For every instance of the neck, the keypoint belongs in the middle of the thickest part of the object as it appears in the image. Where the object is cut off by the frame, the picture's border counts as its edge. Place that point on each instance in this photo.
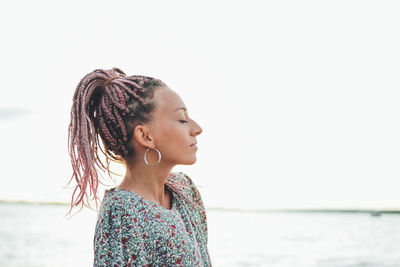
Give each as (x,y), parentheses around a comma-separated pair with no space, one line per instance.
(147,181)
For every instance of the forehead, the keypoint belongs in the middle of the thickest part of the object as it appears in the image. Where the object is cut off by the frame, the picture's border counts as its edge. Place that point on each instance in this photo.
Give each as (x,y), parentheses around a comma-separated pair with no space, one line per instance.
(167,100)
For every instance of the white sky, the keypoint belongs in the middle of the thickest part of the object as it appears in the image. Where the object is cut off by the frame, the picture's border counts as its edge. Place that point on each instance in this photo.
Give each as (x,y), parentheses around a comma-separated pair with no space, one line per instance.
(298,100)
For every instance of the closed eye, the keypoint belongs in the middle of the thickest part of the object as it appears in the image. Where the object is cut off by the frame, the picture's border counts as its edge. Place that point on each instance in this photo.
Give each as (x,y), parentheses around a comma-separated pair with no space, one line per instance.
(183,121)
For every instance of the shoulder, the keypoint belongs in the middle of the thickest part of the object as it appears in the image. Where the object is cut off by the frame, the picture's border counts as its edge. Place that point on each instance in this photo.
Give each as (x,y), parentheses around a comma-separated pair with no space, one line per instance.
(181,177)
(187,187)
(119,211)
(183,181)
(118,203)
(117,198)
(120,234)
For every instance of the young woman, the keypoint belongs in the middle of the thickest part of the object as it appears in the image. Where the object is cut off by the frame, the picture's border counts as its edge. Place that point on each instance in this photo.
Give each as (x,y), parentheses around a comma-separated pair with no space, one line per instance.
(155,217)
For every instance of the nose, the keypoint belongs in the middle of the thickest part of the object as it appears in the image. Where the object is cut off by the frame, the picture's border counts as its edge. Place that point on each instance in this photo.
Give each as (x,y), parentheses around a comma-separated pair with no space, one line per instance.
(196,129)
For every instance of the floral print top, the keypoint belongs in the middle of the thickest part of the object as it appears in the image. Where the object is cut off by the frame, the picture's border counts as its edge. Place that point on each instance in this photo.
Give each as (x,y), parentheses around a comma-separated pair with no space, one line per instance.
(132,231)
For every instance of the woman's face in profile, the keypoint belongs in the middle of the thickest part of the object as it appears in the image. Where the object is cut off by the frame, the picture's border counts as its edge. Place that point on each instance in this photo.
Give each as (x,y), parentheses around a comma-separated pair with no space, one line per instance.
(174,131)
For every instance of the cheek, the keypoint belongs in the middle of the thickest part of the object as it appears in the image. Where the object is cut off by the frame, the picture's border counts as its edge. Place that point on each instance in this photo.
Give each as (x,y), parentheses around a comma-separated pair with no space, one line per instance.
(172,136)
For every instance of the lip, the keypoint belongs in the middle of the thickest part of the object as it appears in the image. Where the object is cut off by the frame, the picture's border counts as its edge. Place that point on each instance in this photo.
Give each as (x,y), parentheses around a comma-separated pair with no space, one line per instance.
(194,144)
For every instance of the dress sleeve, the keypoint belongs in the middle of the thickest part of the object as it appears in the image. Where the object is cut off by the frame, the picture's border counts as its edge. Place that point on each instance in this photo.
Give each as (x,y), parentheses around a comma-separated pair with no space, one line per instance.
(119,241)
(196,198)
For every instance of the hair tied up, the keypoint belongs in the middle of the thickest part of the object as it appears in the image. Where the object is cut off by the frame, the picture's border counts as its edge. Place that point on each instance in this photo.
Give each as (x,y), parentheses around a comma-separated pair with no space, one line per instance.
(103,117)
(120,74)
(110,79)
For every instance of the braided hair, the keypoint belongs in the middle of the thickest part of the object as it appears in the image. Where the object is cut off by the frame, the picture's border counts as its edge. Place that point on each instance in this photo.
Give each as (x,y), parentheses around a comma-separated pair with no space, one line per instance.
(107,106)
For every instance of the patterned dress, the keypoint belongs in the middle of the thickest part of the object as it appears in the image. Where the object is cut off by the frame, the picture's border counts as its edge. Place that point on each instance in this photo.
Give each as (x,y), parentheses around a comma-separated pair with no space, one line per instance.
(132,231)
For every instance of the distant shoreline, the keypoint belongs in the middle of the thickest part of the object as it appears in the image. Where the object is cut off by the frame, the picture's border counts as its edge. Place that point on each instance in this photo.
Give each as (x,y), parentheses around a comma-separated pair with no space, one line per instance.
(376,212)
(34,202)
(370,211)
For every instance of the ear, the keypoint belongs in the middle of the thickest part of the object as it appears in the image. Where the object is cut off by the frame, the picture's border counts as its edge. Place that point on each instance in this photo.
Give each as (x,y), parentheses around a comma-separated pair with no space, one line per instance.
(143,136)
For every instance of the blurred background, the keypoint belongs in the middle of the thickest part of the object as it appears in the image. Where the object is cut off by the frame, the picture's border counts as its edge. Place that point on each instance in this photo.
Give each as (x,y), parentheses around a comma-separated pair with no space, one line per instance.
(298,101)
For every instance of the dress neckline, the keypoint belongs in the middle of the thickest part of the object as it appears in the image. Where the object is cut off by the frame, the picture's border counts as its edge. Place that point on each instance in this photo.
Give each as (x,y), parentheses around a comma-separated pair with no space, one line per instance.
(173,198)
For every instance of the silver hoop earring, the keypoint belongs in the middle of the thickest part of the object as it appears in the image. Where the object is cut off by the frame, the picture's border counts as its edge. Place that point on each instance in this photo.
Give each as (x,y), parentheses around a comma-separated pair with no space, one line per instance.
(145,158)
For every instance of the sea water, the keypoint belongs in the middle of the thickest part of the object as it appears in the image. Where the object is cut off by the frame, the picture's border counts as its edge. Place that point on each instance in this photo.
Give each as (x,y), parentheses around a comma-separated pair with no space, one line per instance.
(40,235)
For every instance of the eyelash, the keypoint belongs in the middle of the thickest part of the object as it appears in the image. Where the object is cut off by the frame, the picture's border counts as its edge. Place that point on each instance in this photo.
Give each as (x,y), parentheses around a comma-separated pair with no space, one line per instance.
(183,121)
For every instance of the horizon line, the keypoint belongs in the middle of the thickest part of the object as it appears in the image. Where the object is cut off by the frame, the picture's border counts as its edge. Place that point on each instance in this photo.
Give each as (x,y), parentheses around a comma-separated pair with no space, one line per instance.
(315,210)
